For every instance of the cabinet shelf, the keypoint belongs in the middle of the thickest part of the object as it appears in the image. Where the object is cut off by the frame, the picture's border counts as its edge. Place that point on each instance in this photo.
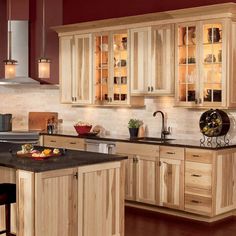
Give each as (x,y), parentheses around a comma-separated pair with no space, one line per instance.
(187,45)
(209,44)
(188,64)
(211,63)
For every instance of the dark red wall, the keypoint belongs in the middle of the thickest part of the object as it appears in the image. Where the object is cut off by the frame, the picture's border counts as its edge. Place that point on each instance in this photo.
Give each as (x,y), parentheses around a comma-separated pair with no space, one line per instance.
(53,17)
(85,10)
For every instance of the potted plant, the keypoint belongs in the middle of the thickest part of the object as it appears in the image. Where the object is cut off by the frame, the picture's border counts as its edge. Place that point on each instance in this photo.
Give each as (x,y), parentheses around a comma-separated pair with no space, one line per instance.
(133,126)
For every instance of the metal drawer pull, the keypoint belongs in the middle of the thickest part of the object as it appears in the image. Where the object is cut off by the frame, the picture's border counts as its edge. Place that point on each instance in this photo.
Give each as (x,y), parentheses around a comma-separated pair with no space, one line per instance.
(195,201)
(53,141)
(72,142)
(170,153)
(194,175)
(194,155)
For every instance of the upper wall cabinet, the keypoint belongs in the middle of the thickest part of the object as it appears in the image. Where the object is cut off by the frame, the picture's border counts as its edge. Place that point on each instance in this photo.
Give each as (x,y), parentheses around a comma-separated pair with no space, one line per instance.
(152,63)
(111,73)
(204,60)
(75,69)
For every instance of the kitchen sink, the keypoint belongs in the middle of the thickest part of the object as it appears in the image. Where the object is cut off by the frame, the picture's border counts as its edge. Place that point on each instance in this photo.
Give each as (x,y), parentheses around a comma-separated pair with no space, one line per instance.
(152,139)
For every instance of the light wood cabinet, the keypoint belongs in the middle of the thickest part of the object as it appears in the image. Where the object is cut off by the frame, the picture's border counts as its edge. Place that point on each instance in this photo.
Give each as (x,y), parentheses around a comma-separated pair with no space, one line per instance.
(142,172)
(75,69)
(203,69)
(63,142)
(209,181)
(66,68)
(83,201)
(172,177)
(111,67)
(152,53)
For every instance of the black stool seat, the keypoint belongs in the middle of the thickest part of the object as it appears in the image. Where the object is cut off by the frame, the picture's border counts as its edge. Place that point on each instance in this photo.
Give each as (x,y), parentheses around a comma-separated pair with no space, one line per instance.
(7,196)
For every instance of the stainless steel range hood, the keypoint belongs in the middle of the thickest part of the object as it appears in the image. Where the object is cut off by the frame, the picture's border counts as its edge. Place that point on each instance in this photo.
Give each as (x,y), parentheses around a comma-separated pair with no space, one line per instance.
(20,52)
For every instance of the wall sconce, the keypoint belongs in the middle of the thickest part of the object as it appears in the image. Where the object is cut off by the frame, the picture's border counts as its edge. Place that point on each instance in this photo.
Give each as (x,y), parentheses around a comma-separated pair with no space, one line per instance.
(10,64)
(43,62)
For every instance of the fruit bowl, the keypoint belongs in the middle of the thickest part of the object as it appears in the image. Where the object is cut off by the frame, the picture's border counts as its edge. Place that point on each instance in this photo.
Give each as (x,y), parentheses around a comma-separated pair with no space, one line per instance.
(83,129)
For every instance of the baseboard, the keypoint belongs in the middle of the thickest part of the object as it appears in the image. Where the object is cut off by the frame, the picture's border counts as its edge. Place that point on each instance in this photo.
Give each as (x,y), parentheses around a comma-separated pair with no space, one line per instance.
(178,213)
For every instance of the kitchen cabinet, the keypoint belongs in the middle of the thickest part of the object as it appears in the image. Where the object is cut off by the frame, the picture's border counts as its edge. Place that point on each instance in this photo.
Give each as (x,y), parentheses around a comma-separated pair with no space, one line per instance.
(75,69)
(55,141)
(203,63)
(72,200)
(111,68)
(172,177)
(142,172)
(209,181)
(152,54)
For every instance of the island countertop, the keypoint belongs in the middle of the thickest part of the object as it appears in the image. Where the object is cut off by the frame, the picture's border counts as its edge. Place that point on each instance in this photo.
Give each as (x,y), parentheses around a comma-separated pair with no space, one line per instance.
(70,158)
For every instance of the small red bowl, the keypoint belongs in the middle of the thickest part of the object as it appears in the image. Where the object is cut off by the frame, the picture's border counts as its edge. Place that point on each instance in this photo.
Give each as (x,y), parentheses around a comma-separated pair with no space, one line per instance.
(83,129)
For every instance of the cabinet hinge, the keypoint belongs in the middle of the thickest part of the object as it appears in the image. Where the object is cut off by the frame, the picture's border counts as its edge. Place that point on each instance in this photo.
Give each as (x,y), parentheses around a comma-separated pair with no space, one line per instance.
(76,175)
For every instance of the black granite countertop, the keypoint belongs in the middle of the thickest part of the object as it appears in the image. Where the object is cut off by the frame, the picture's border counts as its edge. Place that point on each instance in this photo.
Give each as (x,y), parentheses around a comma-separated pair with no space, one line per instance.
(188,143)
(71,158)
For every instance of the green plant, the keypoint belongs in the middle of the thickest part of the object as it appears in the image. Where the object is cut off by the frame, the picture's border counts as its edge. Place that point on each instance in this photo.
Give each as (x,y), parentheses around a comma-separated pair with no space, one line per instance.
(134,123)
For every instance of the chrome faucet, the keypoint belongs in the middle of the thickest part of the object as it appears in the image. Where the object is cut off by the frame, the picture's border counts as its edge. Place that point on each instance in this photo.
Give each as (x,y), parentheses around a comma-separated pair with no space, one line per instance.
(164,132)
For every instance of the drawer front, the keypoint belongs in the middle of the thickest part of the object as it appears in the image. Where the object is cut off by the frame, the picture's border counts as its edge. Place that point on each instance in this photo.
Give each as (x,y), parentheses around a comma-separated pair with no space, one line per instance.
(198,176)
(199,155)
(198,204)
(137,149)
(64,142)
(172,152)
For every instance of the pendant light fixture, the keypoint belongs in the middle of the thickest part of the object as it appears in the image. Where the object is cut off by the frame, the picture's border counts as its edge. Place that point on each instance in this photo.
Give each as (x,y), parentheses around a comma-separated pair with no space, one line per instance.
(10,64)
(43,62)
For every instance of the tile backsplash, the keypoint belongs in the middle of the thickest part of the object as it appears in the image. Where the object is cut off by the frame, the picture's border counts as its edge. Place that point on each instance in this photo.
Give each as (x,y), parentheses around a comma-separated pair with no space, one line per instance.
(20,100)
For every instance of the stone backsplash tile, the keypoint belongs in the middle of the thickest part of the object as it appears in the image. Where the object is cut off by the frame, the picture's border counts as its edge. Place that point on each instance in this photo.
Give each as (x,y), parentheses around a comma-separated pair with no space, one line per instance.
(20,100)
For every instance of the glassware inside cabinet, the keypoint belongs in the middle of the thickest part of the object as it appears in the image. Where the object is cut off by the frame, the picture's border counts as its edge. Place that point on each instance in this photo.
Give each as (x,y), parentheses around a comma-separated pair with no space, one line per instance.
(212,62)
(187,71)
(101,68)
(120,71)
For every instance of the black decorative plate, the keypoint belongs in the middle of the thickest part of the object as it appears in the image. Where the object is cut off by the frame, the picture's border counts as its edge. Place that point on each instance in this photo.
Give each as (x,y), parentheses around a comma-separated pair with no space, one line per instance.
(214,123)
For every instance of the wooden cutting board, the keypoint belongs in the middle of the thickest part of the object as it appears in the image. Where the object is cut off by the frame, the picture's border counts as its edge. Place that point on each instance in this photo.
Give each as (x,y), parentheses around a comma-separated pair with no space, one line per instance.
(38,120)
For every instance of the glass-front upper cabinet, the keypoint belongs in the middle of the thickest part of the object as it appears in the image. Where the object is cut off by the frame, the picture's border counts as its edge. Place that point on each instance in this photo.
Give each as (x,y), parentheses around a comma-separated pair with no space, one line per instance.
(212,62)
(187,66)
(200,64)
(111,68)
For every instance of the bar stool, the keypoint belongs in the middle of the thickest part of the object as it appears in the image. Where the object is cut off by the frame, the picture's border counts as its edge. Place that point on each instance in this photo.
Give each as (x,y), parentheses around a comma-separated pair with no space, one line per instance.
(7,196)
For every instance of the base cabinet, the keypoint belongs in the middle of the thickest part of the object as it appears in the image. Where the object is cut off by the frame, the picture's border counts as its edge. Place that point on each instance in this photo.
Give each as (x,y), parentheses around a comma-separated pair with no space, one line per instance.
(142,172)
(54,141)
(84,201)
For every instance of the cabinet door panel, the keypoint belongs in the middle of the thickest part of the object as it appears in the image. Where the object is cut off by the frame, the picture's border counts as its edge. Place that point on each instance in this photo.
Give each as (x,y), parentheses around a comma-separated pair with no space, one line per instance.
(162,60)
(99,200)
(147,179)
(83,69)
(172,183)
(66,68)
(56,202)
(140,58)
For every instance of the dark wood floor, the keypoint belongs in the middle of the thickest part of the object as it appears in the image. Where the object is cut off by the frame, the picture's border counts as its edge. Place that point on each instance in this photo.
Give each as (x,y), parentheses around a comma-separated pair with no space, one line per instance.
(145,223)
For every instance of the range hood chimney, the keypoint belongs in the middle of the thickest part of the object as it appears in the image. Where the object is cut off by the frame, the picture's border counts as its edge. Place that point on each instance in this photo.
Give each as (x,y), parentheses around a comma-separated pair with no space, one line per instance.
(20,52)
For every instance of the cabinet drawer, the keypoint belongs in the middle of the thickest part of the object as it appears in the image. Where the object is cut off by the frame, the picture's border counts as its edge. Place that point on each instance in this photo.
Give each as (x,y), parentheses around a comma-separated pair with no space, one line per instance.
(172,152)
(198,204)
(64,142)
(199,155)
(198,177)
(137,149)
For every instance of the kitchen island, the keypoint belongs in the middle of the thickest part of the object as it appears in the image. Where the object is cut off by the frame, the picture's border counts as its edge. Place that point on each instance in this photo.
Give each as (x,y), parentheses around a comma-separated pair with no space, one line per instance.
(78,193)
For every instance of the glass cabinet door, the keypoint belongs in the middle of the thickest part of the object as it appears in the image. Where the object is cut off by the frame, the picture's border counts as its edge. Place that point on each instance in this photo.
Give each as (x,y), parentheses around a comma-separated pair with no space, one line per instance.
(101,69)
(119,83)
(187,63)
(212,63)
